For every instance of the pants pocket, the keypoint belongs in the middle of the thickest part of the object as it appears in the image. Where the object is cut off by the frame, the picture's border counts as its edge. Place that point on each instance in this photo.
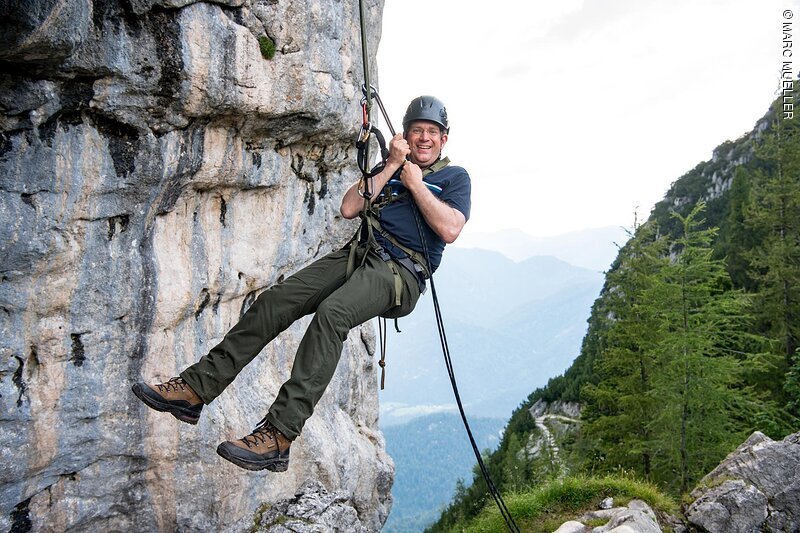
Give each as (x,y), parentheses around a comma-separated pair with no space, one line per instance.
(409,298)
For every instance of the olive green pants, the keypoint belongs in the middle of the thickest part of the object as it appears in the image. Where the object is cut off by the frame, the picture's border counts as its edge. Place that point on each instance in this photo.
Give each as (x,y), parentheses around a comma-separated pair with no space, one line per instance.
(339,305)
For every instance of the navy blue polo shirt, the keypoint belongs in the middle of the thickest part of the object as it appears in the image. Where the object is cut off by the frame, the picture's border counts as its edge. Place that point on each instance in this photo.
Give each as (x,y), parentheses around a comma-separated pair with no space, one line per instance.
(451,185)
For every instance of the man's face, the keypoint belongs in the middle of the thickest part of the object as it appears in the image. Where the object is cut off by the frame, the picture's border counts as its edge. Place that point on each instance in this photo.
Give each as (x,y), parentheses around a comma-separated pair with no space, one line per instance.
(426,141)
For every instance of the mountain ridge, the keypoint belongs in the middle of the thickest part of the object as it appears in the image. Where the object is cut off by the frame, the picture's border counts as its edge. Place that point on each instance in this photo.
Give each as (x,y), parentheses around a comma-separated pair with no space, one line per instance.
(492,308)
(744,189)
(592,248)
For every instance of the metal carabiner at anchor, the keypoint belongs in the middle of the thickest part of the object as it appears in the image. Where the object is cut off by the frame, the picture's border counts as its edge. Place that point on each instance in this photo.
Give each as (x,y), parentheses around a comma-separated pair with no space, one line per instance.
(368,129)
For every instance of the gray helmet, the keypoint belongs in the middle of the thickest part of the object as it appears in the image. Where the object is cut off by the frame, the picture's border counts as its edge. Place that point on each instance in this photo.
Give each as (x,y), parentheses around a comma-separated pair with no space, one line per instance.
(427,108)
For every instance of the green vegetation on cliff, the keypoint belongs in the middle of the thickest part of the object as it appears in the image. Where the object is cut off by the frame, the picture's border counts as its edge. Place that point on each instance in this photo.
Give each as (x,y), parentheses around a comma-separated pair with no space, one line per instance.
(672,394)
(543,509)
(693,342)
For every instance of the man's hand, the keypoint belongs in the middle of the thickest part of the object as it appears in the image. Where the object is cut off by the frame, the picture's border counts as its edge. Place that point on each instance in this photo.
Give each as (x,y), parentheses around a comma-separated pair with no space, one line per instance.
(445,220)
(352,202)
(411,175)
(398,150)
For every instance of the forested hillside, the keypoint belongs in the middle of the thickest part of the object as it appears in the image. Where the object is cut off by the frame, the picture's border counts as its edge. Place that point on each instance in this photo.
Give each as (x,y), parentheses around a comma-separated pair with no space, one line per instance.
(535,309)
(693,342)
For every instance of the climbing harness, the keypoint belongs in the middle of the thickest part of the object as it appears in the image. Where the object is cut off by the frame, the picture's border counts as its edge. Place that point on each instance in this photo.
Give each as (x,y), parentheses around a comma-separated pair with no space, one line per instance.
(370,223)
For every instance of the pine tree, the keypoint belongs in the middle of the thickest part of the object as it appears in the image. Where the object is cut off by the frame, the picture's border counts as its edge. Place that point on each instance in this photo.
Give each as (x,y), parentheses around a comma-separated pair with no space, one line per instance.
(792,383)
(737,237)
(618,408)
(703,410)
(775,262)
(515,463)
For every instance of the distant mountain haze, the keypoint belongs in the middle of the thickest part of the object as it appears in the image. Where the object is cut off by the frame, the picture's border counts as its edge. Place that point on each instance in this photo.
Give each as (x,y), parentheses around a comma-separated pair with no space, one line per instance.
(592,248)
(425,482)
(510,326)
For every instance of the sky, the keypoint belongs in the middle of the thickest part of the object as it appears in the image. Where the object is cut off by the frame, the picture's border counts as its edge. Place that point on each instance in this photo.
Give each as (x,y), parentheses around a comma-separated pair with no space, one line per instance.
(574,114)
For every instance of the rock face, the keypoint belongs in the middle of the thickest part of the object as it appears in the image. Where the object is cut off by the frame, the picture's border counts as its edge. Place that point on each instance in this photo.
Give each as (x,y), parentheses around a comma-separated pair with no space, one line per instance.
(156,173)
(756,488)
(554,422)
(571,410)
(636,517)
(312,510)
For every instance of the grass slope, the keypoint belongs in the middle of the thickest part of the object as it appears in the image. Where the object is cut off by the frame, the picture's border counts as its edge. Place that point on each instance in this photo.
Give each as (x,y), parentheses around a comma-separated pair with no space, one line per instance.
(545,508)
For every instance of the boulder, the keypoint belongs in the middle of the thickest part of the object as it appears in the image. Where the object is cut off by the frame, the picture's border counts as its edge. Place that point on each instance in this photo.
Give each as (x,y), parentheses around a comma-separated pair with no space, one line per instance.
(313,509)
(636,517)
(756,488)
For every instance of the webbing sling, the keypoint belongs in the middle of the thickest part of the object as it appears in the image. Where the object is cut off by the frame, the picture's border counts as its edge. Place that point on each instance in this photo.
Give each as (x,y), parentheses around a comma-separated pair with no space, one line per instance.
(370,223)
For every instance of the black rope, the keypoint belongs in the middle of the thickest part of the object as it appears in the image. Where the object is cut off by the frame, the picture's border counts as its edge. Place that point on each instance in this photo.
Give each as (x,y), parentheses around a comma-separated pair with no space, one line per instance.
(367,128)
(365,57)
(498,498)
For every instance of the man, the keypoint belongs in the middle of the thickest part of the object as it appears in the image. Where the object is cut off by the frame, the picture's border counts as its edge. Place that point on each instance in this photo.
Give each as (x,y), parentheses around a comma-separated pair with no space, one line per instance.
(381,274)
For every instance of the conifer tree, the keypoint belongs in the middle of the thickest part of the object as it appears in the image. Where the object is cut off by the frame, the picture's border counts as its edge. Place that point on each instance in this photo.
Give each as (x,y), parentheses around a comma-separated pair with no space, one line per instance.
(618,408)
(703,408)
(792,383)
(737,237)
(515,464)
(775,261)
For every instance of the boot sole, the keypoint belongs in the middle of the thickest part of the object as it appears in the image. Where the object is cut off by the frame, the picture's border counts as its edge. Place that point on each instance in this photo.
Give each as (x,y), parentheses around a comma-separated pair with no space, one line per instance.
(164,407)
(277,464)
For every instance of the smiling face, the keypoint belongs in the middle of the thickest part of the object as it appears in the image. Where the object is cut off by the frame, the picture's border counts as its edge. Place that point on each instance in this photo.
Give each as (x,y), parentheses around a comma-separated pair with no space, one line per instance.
(426,140)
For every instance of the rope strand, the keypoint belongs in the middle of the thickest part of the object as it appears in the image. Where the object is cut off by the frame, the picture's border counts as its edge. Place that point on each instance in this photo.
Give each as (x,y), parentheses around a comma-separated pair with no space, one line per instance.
(368,94)
(498,498)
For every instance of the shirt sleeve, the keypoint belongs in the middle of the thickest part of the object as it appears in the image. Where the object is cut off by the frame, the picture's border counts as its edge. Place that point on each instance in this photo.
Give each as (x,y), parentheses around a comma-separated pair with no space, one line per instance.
(457,193)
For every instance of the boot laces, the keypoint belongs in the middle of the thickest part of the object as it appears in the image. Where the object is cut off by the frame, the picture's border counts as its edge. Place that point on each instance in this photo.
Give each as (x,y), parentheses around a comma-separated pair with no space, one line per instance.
(264,431)
(174,383)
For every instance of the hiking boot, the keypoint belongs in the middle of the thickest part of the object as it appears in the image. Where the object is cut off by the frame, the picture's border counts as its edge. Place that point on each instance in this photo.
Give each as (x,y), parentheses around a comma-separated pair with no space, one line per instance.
(266,447)
(175,397)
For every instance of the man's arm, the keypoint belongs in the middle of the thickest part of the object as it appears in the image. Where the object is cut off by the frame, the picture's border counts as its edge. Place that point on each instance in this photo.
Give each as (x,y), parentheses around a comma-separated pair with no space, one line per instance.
(353,202)
(445,220)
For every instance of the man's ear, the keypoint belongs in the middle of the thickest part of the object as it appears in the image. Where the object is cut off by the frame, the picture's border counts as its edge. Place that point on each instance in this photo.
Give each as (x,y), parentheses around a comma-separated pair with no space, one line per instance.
(444,139)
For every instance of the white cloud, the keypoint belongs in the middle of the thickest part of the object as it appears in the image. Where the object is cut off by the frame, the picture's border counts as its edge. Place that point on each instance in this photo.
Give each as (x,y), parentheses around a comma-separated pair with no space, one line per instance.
(570,114)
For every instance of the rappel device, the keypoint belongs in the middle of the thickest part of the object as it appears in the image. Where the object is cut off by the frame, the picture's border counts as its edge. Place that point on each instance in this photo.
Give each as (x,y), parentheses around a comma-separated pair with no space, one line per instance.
(368,129)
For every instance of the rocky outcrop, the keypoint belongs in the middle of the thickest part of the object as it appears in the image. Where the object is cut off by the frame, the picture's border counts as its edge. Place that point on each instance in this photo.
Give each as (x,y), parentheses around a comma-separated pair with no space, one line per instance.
(568,410)
(157,171)
(756,488)
(554,421)
(312,510)
(636,517)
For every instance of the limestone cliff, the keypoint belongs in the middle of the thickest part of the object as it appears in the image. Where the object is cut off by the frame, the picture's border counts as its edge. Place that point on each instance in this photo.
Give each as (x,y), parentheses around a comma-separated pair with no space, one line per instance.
(157,172)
